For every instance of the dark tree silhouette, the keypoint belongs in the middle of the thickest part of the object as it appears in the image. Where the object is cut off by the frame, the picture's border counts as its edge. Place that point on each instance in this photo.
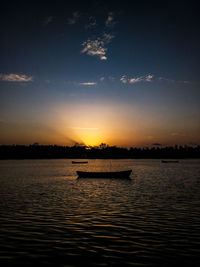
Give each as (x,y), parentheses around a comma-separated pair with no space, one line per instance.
(103,151)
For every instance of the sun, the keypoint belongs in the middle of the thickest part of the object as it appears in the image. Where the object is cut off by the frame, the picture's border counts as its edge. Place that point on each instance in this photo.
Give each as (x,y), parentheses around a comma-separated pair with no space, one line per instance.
(91,139)
(89,136)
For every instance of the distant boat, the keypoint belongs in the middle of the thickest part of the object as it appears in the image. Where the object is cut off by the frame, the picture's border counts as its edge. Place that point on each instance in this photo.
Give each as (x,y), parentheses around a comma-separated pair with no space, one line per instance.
(79,162)
(169,161)
(119,174)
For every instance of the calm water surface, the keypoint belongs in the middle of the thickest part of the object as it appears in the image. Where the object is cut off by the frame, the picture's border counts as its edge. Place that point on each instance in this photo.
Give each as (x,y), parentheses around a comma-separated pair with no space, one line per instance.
(49,217)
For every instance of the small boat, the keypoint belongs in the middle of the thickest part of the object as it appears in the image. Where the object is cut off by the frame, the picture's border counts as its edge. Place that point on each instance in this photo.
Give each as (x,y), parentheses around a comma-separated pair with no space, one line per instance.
(119,174)
(169,161)
(79,162)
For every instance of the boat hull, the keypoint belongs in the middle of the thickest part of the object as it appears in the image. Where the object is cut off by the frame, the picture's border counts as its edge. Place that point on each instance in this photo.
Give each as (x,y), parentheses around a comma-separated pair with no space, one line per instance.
(170,161)
(79,162)
(120,174)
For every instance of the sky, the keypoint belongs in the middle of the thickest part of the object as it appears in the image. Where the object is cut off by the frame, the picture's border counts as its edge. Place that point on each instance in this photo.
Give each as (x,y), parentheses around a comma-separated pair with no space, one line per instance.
(124,73)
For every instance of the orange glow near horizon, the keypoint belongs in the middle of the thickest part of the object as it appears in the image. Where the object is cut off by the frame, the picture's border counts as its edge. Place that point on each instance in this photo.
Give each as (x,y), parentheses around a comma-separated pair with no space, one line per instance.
(94,123)
(89,136)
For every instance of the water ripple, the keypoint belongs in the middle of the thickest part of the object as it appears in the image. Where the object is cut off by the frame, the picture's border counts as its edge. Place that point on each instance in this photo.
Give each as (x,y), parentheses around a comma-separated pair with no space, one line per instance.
(49,217)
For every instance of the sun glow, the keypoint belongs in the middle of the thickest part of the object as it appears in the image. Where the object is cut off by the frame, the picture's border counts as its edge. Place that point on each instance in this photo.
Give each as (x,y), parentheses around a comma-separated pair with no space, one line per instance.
(89,136)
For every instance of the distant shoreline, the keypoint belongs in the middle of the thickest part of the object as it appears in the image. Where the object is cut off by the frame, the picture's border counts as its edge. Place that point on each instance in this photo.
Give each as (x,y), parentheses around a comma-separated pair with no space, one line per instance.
(15,152)
(3,159)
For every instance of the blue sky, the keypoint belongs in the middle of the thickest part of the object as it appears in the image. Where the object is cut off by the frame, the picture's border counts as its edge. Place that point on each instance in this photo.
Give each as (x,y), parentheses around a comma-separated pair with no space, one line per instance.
(126,72)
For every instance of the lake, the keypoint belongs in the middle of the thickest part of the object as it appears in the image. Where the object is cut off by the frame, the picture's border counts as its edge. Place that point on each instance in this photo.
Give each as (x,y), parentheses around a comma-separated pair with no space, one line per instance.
(49,217)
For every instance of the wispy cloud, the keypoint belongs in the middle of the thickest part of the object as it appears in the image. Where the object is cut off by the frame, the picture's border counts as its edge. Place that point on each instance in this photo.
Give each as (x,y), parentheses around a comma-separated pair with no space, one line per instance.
(147,78)
(48,20)
(97,47)
(110,20)
(187,82)
(111,78)
(177,134)
(166,79)
(107,37)
(84,128)
(123,79)
(88,83)
(135,80)
(15,77)
(75,17)
(91,23)
(174,81)
(102,79)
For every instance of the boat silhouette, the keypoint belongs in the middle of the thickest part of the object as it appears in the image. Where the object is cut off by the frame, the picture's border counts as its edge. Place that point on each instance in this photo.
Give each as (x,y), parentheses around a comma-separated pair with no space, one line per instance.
(117,174)
(79,162)
(169,161)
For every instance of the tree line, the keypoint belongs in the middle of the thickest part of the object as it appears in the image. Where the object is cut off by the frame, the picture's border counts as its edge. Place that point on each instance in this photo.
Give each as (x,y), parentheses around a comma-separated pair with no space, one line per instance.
(103,151)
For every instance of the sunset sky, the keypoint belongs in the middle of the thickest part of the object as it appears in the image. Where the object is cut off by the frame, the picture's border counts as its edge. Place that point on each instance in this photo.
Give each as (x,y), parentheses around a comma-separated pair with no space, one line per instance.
(125,73)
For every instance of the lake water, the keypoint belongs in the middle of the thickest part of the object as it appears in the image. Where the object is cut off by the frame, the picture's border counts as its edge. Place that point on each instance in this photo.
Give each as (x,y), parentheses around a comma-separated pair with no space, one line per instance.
(49,217)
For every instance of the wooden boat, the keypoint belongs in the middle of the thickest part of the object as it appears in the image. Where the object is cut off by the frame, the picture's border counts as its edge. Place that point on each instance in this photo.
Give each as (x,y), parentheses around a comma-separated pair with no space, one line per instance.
(79,162)
(119,174)
(170,161)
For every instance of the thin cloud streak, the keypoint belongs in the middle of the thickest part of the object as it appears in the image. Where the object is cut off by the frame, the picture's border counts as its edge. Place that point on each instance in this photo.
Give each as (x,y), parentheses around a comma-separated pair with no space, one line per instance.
(84,128)
(88,83)
(135,80)
(125,80)
(166,79)
(177,134)
(15,78)
(174,81)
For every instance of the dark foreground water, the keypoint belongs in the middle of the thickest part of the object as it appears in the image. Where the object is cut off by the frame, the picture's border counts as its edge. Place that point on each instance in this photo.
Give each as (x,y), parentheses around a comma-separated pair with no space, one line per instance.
(49,217)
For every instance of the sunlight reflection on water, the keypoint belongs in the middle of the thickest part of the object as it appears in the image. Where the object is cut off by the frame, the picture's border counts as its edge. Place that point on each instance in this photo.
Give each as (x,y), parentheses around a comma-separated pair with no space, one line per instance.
(48,216)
